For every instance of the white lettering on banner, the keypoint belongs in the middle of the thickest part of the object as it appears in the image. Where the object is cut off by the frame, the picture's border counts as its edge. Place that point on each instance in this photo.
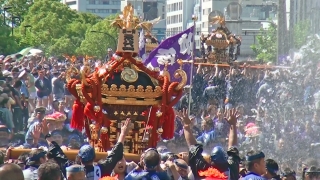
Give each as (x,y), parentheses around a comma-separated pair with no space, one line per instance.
(141,40)
(185,42)
(166,56)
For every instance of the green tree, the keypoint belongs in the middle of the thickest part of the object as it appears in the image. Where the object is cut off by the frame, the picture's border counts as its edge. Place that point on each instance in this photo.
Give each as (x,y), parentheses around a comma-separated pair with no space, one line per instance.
(8,44)
(301,32)
(56,28)
(98,38)
(266,48)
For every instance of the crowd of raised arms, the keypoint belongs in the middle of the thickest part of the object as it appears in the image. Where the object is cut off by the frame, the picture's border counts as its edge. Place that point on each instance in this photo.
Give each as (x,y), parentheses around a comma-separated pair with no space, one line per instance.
(243,123)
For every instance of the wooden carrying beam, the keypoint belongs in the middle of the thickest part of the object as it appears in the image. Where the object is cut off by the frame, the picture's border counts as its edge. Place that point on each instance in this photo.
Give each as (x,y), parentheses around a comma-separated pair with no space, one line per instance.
(72,154)
(241,66)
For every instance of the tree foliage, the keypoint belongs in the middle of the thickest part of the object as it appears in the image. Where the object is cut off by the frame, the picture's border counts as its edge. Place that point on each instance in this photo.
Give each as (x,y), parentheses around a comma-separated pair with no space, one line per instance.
(301,32)
(98,38)
(266,48)
(48,25)
(8,44)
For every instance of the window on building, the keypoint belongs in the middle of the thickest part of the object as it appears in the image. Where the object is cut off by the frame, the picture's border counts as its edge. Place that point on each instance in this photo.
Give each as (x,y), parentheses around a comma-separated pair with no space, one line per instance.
(104,2)
(163,9)
(71,3)
(180,5)
(116,2)
(180,17)
(163,17)
(91,10)
(114,11)
(102,11)
(92,1)
(205,25)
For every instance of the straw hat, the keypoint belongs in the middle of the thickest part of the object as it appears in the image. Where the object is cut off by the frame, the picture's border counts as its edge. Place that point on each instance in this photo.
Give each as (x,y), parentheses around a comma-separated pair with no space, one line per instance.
(57,116)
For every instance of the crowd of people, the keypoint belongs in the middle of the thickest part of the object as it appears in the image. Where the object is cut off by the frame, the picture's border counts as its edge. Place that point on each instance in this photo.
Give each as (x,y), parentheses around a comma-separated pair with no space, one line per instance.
(243,123)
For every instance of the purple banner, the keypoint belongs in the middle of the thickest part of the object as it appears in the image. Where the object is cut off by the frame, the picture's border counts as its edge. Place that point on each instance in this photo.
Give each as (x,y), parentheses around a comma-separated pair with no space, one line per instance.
(179,46)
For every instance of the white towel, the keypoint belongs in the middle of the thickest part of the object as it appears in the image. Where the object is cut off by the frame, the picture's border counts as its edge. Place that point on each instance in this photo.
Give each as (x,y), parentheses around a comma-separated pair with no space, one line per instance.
(97,172)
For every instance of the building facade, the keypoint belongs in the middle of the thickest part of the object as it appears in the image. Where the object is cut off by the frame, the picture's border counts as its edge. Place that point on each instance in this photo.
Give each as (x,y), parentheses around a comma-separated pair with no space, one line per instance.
(179,13)
(102,8)
(150,10)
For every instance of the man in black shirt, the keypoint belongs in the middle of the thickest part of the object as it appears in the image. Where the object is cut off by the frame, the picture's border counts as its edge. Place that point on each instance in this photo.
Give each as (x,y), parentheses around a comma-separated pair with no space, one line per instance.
(218,158)
(103,167)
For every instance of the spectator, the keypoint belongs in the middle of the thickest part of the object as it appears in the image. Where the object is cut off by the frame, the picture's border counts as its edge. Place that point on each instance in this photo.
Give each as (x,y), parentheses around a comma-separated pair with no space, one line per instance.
(11,172)
(76,172)
(6,114)
(218,157)
(5,136)
(256,165)
(42,85)
(49,171)
(123,168)
(272,170)
(18,108)
(23,76)
(179,169)
(151,161)
(58,85)
(36,158)
(105,167)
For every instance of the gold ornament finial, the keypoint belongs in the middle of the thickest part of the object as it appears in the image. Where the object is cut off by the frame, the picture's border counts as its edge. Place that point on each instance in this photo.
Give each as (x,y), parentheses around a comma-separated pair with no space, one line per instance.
(180,62)
(126,20)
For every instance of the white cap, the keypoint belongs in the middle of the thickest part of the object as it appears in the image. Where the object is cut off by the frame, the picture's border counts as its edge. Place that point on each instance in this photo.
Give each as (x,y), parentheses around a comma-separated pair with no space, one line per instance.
(6,73)
(22,73)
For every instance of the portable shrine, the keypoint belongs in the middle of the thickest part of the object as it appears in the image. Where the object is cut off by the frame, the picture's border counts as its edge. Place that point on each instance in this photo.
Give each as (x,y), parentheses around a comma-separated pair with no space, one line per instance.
(219,45)
(125,88)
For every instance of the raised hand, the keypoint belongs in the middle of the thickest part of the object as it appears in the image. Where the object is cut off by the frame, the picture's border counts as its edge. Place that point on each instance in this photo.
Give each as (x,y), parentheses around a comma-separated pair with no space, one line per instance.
(44,125)
(125,126)
(231,116)
(36,132)
(183,115)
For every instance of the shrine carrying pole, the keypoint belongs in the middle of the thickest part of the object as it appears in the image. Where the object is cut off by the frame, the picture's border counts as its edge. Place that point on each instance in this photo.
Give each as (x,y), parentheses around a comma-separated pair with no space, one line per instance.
(194,18)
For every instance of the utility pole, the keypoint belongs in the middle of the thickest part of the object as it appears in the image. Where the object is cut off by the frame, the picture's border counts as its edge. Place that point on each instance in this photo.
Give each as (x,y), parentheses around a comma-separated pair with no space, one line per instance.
(301,13)
(282,30)
(291,24)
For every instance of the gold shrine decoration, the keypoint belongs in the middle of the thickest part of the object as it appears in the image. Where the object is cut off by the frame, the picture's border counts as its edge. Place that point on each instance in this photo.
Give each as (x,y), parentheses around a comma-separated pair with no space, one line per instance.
(131,91)
(133,96)
(128,41)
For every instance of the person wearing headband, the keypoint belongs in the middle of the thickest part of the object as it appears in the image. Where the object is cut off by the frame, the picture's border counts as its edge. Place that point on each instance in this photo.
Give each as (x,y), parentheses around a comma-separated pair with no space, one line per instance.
(272,170)
(288,174)
(256,166)
(310,173)
(36,158)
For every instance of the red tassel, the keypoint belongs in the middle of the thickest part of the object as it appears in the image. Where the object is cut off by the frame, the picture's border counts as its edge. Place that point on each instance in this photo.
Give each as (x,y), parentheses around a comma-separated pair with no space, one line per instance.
(168,124)
(77,115)
(88,111)
(104,137)
(154,124)
(153,115)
